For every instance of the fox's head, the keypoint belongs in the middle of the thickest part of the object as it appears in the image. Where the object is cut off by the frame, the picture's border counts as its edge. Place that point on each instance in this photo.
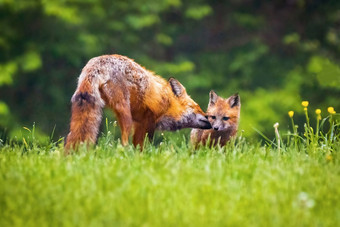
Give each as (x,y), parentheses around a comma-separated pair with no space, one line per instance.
(183,111)
(223,114)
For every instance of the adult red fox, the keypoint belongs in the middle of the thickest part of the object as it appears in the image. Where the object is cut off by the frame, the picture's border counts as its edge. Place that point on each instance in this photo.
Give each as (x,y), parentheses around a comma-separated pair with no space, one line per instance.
(223,115)
(140,99)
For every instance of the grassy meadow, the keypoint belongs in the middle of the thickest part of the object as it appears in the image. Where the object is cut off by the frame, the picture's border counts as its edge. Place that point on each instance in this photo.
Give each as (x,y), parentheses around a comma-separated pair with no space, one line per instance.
(274,54)
(293,180)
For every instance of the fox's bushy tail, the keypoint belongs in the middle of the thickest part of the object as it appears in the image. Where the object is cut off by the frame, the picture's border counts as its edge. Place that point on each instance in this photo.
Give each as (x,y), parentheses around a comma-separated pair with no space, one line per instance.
(86,113)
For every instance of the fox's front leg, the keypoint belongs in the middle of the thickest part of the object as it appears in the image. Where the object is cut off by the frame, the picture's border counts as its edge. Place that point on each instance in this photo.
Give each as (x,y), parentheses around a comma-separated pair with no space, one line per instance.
(141,130)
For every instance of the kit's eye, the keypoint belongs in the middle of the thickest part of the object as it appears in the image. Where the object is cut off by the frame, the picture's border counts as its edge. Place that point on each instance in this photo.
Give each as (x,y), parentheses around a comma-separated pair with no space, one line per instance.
(206,116)
(225,118)
(213,117)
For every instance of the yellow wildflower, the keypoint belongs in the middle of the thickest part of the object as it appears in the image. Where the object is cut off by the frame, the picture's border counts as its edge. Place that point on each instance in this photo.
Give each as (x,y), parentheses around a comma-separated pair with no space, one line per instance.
(331,110)
(305,103)
(291,114)
(318,113)
(305,109)
(329,157)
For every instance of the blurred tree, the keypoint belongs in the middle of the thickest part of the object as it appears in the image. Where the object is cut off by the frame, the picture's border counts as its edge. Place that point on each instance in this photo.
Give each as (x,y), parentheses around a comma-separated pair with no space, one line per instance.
(274,53)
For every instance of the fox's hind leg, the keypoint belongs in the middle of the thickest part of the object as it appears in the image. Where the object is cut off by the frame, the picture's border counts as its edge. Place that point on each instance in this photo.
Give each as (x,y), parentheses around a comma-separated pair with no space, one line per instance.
(117,98)
(124,118)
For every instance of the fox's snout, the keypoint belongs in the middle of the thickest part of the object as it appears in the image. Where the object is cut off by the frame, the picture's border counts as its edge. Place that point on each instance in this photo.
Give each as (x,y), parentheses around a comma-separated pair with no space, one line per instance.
(203,122)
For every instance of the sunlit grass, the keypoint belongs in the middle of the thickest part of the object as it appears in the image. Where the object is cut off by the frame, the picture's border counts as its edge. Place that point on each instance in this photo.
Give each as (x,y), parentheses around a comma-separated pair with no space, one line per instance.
(291,183)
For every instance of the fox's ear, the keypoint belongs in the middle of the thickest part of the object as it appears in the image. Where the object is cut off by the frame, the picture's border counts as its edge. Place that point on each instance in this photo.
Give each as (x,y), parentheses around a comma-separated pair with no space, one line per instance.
(177,87)
(212,98)
(234,100)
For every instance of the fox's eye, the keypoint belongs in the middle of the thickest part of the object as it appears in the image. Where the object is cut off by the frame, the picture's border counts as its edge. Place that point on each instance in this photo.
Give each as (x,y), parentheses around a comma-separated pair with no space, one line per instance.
(206,116)
(213,117)
(225,118)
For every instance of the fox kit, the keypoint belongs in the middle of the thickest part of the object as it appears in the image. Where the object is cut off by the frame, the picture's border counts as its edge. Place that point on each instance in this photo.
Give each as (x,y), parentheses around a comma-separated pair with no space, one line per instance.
(140,99)
(223,115)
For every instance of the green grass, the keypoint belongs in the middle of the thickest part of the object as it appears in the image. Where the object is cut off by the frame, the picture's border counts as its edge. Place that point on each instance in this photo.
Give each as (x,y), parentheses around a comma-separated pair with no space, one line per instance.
(293,180)
(244,184)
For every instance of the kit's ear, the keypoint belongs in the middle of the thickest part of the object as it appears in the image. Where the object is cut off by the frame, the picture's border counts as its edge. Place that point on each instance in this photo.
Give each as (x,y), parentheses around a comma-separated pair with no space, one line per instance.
(212,98)
(234,100)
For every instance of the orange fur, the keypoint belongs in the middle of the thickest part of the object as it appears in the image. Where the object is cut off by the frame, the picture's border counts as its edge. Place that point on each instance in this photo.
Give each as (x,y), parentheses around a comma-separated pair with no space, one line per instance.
(223,115)
(140,99)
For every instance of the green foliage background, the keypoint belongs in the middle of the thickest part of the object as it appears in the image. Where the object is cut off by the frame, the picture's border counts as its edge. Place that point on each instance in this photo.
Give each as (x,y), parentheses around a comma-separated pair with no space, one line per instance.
(274,53)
